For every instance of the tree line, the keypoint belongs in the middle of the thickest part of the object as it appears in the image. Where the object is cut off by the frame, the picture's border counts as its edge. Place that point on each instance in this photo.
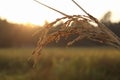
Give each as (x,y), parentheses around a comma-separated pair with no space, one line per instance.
(19,35)
(15,35)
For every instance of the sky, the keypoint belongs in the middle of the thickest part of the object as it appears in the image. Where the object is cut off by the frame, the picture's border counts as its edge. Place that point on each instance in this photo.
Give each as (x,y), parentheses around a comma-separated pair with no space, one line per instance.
(29,11)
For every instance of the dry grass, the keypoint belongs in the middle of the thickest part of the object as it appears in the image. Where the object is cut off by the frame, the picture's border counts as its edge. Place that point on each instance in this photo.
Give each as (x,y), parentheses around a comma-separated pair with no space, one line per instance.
(74,25)
(80,25)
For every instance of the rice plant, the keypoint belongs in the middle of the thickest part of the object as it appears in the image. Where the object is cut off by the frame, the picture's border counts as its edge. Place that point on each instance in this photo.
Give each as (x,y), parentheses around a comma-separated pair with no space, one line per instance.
(80,25)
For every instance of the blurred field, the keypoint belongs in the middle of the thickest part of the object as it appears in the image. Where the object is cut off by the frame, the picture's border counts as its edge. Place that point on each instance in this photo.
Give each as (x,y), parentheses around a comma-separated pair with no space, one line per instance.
(61,64)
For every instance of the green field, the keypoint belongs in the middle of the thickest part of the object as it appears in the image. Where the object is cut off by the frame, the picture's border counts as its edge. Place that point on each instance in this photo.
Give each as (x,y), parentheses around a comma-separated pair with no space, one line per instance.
(61,64)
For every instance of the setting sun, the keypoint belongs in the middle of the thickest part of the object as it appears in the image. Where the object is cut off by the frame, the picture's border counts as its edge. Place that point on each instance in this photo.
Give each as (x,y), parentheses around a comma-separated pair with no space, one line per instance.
(28,11)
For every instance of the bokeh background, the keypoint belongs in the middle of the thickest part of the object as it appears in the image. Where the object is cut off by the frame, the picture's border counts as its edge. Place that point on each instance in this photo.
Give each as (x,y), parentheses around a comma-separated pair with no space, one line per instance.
(85,60)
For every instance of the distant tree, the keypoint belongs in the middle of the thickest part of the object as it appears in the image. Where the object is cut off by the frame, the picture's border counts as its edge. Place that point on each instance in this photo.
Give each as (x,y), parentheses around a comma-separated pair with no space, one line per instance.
(16,35)
(106,18)
(115,27)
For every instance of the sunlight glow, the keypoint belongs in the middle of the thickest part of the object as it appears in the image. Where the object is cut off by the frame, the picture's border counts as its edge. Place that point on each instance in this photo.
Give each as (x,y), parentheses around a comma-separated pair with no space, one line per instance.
(28,11)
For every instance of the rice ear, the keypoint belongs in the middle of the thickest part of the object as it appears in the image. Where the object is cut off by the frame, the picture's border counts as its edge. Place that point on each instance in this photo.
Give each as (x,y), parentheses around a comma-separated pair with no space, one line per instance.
(78,25)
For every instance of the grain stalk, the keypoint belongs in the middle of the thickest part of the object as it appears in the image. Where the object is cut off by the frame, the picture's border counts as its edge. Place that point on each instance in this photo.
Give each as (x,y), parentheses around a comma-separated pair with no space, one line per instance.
(79,25)
(101,25)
